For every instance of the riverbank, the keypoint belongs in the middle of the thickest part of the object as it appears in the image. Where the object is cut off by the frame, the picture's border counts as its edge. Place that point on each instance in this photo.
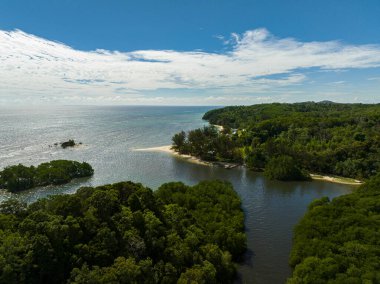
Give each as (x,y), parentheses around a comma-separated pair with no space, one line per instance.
(168,149)
(336,179)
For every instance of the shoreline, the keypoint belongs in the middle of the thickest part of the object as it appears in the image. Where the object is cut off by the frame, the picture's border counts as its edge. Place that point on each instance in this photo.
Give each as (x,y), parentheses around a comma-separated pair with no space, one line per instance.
(219,127)
(168,149)
(336,179)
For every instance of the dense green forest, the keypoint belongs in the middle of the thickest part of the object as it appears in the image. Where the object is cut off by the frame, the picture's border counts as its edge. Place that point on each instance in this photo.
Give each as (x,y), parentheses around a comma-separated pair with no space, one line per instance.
(20,177)
(124,233)
(338,241)
(325,137)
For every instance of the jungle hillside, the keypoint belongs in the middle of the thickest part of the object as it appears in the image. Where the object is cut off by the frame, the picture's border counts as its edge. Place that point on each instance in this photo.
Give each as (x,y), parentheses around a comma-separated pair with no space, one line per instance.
(289,141)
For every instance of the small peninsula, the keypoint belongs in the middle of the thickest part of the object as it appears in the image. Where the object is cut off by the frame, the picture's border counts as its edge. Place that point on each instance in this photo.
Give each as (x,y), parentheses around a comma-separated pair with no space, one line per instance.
(125,233)
(19,177)
(323,138)
(337,241)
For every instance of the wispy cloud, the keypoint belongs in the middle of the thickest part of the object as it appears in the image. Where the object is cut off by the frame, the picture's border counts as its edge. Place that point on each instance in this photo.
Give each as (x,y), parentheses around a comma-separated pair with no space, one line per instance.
(256,62)
(336,83)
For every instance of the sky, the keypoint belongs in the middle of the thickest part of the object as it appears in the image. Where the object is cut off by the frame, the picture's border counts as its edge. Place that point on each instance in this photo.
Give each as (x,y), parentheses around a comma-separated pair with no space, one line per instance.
(195,52)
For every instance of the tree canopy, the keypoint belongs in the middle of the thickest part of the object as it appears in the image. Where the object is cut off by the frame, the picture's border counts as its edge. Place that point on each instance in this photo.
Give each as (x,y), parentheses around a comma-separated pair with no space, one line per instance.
(284,168)
(338,241)
(69,143)
(20,177)
(329,138)
(124,233)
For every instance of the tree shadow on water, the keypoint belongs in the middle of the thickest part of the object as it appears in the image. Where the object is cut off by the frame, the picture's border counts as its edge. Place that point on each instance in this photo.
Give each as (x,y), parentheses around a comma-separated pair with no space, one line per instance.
(247,260)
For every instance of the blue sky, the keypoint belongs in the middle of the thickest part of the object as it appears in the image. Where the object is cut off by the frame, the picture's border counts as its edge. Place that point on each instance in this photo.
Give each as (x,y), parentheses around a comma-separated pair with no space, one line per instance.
(189,52)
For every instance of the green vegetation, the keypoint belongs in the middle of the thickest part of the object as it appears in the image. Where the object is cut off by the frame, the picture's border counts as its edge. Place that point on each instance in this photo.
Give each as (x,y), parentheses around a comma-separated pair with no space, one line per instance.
(284,168)
(70,143)
(208,144)
(19,177)
(124,233)
(338,241)
(329,138)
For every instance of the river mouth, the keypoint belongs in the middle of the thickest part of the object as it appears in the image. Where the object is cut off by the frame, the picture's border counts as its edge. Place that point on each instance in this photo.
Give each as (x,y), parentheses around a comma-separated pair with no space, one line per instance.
(110,133)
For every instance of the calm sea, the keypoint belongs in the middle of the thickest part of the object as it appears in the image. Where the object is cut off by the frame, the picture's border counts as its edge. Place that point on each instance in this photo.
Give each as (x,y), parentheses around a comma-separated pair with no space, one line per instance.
(110,135)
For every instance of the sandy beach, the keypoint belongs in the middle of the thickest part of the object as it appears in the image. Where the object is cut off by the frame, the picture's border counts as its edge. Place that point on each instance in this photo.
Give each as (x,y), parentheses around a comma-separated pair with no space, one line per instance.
(336,179)
(219,127)
(168,149)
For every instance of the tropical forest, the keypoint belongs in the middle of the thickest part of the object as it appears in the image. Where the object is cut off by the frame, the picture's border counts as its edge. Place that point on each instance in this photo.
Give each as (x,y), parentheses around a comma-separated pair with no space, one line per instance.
(19,177)
(289,141)
(124,233)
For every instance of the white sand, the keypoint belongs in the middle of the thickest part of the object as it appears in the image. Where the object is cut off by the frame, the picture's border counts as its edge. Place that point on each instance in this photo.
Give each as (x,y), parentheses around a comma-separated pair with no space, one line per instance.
(168,149)
(219,127)
(336,179)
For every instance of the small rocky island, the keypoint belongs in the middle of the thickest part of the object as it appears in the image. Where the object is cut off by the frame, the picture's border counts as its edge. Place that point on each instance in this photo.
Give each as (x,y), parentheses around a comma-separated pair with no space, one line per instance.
(70,143)
(19,177)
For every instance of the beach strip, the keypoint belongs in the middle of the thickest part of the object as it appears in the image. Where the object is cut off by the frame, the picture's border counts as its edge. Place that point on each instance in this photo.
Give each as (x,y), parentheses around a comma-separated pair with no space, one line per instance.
(168,149)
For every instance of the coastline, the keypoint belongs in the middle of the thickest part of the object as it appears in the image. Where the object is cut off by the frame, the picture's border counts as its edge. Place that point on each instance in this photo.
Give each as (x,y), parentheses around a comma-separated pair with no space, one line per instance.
(219,127)
(168,149)
(336,179)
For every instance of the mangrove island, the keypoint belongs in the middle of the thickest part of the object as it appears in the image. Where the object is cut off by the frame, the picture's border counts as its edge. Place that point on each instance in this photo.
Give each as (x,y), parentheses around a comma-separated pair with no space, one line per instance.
(19,177)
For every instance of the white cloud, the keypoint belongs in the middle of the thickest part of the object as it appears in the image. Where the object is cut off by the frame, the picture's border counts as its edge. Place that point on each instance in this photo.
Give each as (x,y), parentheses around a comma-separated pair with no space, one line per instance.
(336,83)
(374,79)
(257,62)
